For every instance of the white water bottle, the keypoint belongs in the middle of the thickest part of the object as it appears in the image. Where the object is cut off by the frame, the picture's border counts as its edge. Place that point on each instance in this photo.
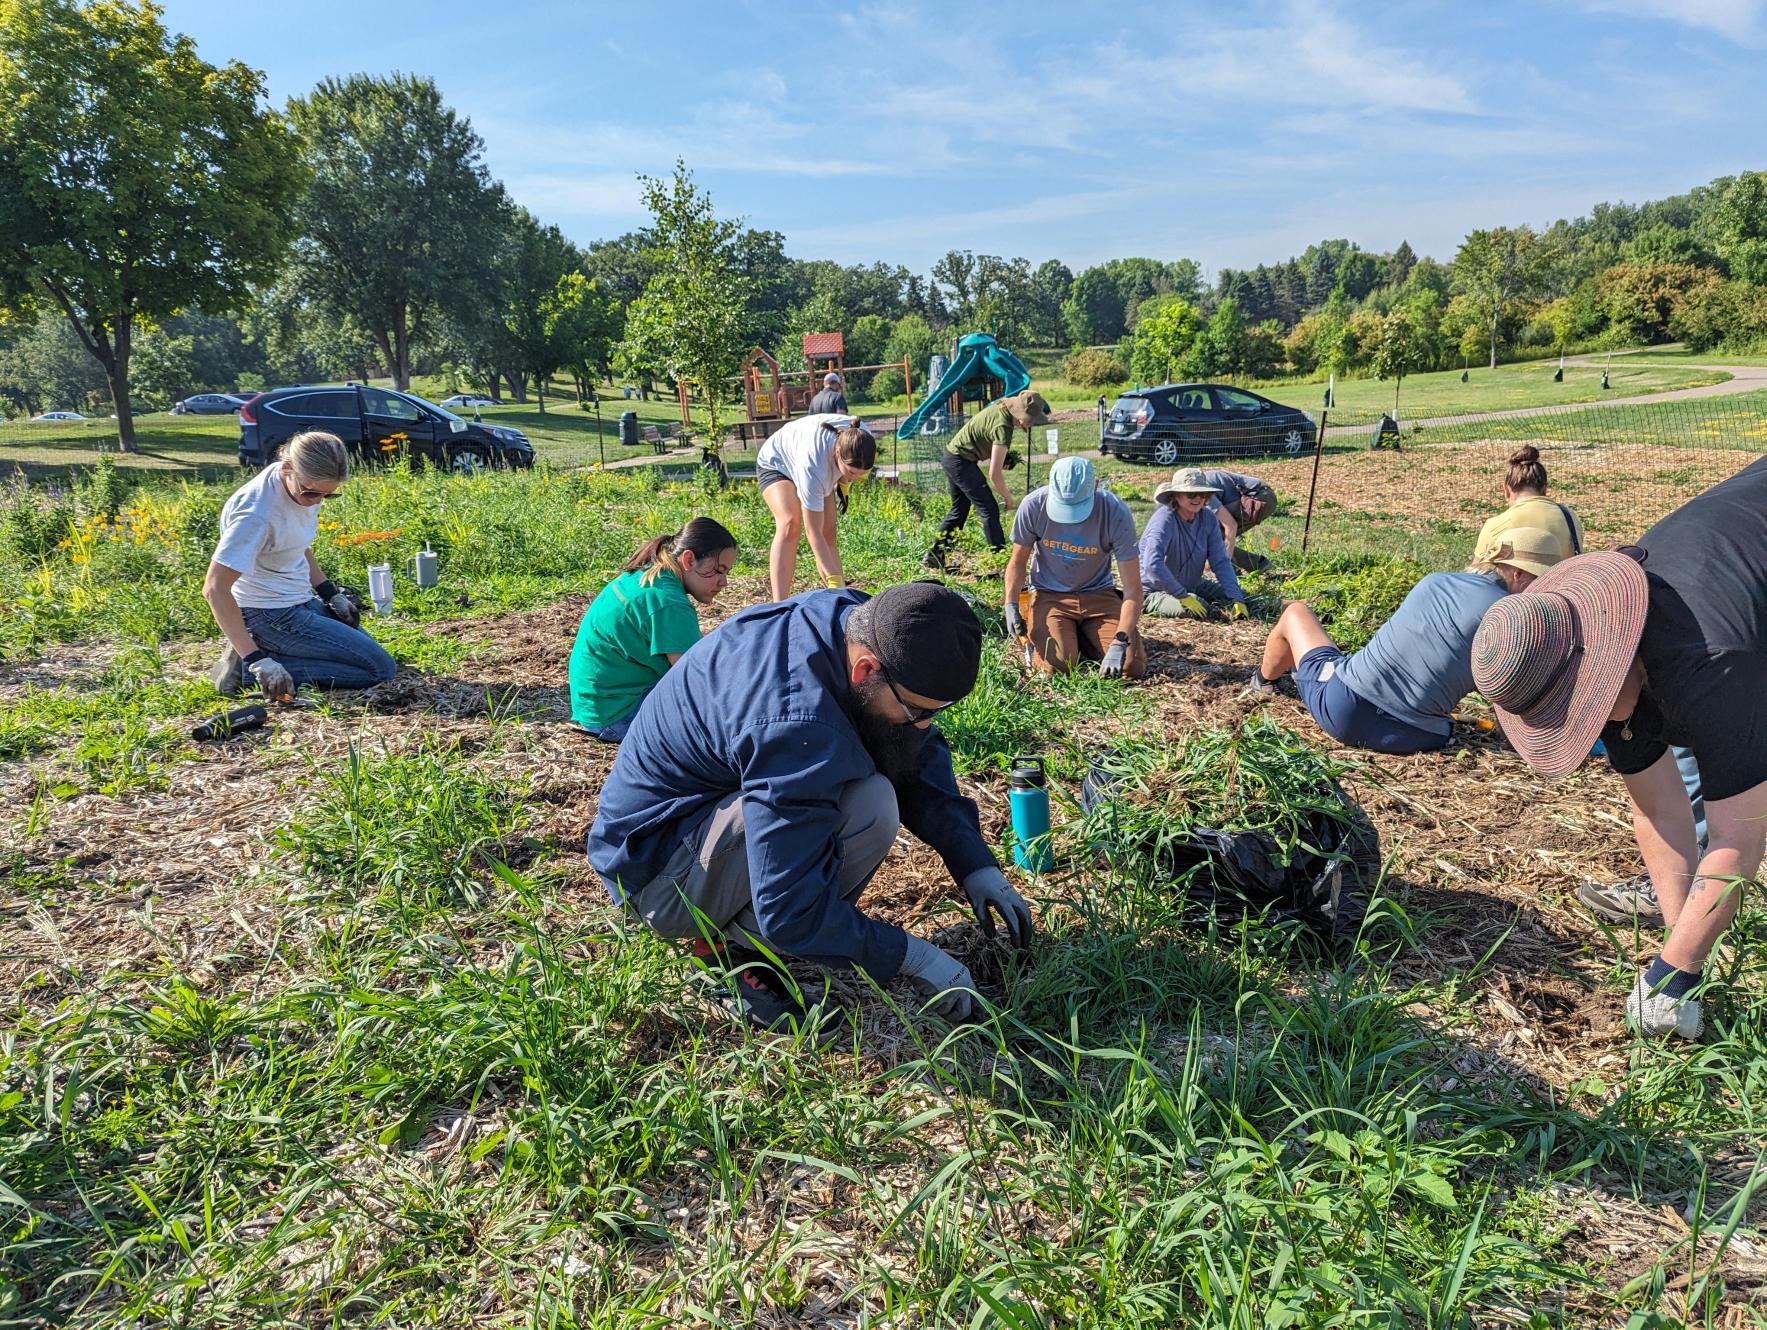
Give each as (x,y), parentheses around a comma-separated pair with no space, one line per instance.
(380,586)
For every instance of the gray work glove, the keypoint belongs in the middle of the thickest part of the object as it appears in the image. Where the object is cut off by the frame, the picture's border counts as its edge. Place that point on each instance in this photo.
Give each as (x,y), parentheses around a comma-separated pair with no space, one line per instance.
(274,680)
(1015,623)
(342,606)
(989,894)
(942,978)
(1115,657)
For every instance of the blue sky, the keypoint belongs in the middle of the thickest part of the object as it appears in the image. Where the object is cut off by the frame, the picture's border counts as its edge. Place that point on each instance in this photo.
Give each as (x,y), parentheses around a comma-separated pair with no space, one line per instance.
(1227,133)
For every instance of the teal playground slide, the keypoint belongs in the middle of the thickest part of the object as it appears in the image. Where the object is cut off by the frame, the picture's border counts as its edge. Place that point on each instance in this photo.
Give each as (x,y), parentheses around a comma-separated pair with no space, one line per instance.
(979,358)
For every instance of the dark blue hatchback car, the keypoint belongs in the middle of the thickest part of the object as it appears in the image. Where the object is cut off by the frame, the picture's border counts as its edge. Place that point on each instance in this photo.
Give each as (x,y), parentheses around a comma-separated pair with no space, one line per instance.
(1177,423)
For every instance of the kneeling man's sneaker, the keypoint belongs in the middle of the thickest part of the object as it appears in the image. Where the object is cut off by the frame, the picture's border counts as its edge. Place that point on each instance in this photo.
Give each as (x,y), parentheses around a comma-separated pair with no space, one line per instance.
(1633,901)
(224,673)
(1657,1015)
(751,987)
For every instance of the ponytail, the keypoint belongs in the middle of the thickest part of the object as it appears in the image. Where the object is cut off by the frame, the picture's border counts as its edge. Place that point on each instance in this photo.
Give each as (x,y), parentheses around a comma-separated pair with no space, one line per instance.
(704,537)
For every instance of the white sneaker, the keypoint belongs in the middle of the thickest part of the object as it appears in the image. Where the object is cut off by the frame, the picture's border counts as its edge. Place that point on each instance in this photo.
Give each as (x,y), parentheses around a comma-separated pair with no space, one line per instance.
(1633,901)
(1656,1015)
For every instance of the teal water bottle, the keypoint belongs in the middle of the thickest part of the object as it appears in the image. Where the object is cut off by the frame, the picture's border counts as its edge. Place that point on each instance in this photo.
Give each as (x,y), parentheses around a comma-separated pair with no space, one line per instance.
(1029,799)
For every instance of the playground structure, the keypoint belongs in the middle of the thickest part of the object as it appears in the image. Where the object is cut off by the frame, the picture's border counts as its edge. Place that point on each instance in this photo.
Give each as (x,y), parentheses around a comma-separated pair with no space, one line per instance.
(772,396)
(981,371)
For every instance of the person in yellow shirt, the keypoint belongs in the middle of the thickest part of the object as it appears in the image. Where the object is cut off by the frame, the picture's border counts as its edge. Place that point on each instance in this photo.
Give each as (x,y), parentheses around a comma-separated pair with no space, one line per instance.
(1524,491)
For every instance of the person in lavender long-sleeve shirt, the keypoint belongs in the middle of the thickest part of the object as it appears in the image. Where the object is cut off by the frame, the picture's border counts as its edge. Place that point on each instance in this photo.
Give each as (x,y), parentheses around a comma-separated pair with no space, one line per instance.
(1180,543)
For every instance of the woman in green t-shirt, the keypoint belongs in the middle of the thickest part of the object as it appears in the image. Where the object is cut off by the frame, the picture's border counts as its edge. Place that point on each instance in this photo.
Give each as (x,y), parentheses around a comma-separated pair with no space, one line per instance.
(642,621)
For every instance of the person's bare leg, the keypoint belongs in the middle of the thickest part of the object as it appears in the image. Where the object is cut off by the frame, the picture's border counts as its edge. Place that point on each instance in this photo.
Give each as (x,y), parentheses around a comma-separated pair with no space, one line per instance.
(1734,843)
(788,527)
(1297,632)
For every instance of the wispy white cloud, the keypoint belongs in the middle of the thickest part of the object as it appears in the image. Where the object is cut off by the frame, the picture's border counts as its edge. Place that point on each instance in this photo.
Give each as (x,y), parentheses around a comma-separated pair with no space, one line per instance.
(1742,21)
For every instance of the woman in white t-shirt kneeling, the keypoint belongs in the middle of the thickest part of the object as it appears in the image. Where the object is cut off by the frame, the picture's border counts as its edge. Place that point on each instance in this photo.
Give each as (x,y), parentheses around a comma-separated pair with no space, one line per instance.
(799,469)
(285,622)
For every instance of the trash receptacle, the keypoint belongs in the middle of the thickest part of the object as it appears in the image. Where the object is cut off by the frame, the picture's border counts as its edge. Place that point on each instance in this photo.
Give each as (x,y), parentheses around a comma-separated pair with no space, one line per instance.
(628,429)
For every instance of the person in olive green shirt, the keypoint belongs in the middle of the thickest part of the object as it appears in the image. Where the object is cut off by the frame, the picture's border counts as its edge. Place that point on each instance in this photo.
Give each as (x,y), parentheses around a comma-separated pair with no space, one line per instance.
(985,437)
(642,622)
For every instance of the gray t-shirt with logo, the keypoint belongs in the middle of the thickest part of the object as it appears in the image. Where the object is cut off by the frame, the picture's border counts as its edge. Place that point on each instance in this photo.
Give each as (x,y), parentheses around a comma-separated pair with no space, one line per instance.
(1075,556)
(1418,666)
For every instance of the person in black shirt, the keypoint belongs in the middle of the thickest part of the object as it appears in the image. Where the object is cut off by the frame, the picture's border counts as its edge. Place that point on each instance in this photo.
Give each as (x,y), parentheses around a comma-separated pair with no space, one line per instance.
(831,401)
(1662,644)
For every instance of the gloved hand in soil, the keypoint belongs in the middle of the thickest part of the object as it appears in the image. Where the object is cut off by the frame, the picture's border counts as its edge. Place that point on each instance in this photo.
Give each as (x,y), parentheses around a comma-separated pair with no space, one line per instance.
(1115,656)
(274,680)
(943,978)
(1194,608)
(339,604)
(989,894)
(1238,611)
(1015,624)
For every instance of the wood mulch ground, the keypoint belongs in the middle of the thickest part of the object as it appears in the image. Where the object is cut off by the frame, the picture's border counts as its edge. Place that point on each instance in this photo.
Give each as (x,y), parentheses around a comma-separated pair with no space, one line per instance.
(1484,854)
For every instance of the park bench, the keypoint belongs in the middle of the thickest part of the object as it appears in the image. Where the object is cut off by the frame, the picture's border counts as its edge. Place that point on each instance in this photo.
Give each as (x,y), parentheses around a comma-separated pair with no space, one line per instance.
(656,438)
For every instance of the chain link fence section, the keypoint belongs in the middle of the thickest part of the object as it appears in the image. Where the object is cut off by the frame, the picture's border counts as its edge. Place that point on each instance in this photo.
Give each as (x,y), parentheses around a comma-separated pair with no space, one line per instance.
(1622,465)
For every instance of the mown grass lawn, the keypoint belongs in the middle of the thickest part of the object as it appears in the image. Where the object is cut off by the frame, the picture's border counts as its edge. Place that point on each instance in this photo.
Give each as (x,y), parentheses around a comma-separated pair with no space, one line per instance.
(331,1025)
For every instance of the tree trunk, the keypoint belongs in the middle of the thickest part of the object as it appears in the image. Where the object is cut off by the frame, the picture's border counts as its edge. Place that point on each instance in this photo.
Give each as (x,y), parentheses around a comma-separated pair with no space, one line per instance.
(1494,341)
(401,366)
(118,373)
(518,386)
(540,392)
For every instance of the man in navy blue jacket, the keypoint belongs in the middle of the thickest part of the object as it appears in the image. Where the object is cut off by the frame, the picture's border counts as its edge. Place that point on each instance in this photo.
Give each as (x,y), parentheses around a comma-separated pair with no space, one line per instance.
(763,780)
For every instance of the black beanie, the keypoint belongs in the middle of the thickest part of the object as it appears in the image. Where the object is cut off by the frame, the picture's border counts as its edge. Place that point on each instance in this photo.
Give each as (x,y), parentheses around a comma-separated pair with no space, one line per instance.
(928,639)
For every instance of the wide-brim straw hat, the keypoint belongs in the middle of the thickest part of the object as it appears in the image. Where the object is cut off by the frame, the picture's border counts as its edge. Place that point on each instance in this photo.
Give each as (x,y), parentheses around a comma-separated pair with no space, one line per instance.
(1185,480)
(1551,659)
(1530,548)
(1027,408)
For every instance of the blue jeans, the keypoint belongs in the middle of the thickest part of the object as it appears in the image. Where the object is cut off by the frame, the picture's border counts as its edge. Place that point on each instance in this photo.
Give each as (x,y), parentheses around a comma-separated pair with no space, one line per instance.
(1349,718)
(611,733)
(316,648)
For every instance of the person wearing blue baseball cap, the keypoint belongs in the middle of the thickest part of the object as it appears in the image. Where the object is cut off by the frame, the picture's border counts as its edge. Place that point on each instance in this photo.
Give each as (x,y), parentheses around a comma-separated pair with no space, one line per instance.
(1066,534)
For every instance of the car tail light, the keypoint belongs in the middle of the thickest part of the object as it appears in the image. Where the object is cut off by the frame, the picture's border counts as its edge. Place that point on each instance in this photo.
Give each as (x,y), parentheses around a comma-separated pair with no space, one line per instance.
(246,415)
(1143,414)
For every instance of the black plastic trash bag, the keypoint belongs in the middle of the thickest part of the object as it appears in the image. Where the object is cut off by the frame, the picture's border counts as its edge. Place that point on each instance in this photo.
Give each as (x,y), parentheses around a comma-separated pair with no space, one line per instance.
(1324,884)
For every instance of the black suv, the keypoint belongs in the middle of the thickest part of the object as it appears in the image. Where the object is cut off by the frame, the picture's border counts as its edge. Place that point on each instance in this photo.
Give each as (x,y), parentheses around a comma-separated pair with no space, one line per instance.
(1177,422)
(377,424)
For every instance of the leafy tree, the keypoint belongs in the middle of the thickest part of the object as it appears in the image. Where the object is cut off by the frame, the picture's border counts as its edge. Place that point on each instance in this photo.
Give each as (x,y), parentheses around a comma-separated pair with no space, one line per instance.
(1663,243)
(302,343)
(1225,338)
(954,276)
(583,324)
(690,319)
(138,179)
(1399,264)
(1093,310)
(1730,314)
(44,367)
(1737,223)
(1166,327)
(540,258)
(402,214)
(1398,351)
(912,337)
(1050,284)
(1496,270)
(1358,274)
(1638,298)
(162,368)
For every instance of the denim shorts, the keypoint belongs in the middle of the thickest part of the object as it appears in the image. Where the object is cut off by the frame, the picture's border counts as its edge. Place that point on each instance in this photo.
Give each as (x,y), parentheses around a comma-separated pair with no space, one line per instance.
(1350,719)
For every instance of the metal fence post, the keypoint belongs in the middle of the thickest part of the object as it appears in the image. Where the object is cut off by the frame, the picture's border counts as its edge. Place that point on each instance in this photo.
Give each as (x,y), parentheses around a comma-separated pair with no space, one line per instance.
(1313,488)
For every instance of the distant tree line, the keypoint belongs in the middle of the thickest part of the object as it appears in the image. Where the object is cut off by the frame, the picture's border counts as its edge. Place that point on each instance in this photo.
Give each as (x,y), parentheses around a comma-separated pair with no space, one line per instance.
(164,231)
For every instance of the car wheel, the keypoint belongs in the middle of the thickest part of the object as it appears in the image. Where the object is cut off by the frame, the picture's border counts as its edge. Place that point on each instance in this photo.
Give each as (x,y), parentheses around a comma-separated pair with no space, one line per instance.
(1292,440)
(467,461)
(1165,452)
